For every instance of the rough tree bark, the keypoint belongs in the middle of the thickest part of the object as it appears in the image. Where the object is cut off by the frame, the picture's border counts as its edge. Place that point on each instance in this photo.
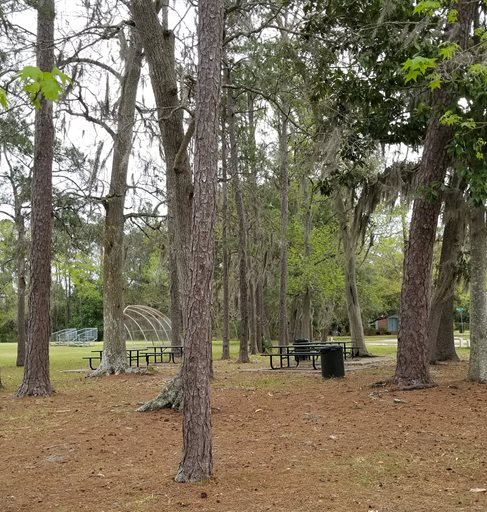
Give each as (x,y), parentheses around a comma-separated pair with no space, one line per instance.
(197,463)
(114,358)
(478,296)
(441,343)
(36,371)
(412,351)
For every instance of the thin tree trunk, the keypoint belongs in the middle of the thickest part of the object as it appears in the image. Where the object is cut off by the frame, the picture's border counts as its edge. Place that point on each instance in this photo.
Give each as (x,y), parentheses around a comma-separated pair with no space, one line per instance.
(36,372)
(478,296)
(283,241)
(412,351)
(197,463)
(306,329)
(259,328)
(243,356)
(114,358)
(252,317)
(351,291)
(226,258)
(445,340)
(21,286)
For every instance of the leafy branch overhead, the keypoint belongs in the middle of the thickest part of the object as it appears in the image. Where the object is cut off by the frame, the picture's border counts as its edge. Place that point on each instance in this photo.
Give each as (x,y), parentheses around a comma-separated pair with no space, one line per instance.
(39,85)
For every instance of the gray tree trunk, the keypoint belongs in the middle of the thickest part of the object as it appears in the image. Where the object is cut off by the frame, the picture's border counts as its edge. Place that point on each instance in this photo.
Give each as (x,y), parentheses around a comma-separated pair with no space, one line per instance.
(36,371)
(226,256)
(114,358)
(412,350)
(243,356)
(283,241)
(354,311)
(197,462)
(445,340)
(158,44)
(259,314)
(306,321)
(441,345)
(478,297)
(21,281)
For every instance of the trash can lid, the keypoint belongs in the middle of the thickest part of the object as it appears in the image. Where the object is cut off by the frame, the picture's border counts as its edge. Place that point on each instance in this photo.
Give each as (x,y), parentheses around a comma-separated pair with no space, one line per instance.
(330,348)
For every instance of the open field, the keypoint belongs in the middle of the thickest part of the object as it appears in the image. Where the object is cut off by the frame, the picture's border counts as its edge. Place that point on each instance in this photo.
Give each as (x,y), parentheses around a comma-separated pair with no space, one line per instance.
(283,441)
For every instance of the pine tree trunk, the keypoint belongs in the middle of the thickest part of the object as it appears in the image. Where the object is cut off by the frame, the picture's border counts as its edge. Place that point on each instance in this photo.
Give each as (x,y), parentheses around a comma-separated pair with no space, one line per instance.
(36,371)
(412,350)
(114,358)
(412,354)
(478,296)
(197,463)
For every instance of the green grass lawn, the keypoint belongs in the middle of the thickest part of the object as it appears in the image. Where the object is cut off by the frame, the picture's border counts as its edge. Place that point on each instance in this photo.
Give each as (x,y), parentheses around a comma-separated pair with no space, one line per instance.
(65,358)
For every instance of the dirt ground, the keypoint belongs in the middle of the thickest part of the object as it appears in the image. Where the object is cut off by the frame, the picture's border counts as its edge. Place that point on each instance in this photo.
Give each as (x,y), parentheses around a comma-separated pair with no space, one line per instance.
(283,441)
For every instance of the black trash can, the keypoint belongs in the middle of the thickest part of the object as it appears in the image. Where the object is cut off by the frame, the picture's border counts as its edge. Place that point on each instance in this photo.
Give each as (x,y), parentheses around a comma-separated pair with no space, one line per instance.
(332,364)
(300,349)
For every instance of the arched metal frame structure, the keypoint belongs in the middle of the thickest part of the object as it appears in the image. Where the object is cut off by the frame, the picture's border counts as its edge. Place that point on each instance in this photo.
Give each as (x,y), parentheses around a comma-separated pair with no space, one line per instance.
(143,323)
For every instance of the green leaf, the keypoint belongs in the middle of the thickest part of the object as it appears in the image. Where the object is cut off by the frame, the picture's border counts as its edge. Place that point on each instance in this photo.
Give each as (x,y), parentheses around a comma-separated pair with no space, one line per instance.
(426,7)
(43,84)
(418,66)
(478,69)
(30,72)
(469,123)
(62,76)
(434,81)
(452,16)
(447,50)
(3,98)
(449,118)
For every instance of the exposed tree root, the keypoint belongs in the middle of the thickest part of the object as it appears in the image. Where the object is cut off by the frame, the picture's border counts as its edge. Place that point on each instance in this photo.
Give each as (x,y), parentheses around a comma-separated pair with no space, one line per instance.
(102,371)
(171,397)
(403,384)
(38,390)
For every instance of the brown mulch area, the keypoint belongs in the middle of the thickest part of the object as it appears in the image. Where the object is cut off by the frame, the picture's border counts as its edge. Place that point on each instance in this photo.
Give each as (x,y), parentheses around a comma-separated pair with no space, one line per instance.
(283,441)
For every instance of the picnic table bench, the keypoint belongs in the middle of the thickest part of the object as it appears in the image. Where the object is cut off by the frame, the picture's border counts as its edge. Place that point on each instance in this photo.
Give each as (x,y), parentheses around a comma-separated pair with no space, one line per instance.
(161,351)
(134,355)
(289,356)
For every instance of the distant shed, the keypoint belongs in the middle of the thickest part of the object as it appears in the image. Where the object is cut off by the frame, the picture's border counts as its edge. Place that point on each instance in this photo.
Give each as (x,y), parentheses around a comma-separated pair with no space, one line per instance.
(387,324)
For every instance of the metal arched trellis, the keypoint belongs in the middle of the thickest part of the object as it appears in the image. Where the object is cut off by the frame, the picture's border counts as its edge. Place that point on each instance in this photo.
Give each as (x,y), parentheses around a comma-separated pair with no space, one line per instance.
(143,323)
